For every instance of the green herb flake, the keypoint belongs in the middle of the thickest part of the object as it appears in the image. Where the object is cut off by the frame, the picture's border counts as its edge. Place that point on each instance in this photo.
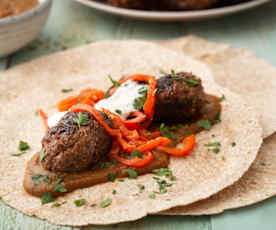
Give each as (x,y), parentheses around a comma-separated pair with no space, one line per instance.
(163,172)
(213,144)
(42,155)
(106,203)
(174,75)
(121,180)
(46,198)
(141,187)
(132,174)
(139,103)
(136,153)
(205,124)
(114,82)
(80,202)
(36,179)
(192,82)
(23,146)
(161,71)
(234,144)
(143,90)
(111,177)
(262,164)
(166,133)
(114,191)
(152,196)
(213,135)
(17,154)
(215,150)
(106,165)
(58,187)
(222,98)
(81,120)
(58,204)
(115,161)
(172,178)
(118,111)
(223,158)
(67,90)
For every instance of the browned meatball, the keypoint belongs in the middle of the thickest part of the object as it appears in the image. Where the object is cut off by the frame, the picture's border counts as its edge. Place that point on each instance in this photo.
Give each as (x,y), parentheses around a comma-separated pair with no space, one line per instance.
(186,4)
(179,98)
(71,148)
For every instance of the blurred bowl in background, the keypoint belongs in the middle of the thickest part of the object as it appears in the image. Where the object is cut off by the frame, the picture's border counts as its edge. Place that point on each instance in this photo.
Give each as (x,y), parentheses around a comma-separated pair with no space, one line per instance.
(18,31)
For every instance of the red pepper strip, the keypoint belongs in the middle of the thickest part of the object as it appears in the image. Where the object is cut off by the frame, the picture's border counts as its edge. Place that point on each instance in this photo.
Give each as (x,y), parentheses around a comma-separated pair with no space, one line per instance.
(152,144)
(137,162)
(87,96)
(96,114)
(135,123)
(44,118)
(150,102)
(189,143)
(118,123)
(134,162)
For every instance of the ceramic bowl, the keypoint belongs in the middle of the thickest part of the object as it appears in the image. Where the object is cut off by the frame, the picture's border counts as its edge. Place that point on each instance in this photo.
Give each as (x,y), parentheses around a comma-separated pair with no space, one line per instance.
(17,31)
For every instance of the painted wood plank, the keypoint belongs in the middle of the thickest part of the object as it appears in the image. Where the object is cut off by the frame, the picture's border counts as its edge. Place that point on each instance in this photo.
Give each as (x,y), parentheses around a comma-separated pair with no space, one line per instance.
(160,223)
(254,29)
(255,217)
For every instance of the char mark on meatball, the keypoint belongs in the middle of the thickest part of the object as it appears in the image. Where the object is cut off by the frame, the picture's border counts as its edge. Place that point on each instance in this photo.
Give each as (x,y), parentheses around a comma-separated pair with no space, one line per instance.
(179,98)
(71,147)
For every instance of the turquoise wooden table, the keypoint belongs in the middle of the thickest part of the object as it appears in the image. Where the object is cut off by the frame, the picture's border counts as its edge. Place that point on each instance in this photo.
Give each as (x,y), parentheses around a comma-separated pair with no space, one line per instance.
(72,24)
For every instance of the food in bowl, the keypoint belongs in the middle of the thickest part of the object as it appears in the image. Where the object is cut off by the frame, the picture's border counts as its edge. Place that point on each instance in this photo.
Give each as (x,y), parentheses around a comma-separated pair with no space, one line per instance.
(16,7)
(172,4)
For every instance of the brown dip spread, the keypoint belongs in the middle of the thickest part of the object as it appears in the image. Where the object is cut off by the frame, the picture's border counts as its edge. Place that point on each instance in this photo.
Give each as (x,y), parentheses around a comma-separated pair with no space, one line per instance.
(72,181)
(16,7)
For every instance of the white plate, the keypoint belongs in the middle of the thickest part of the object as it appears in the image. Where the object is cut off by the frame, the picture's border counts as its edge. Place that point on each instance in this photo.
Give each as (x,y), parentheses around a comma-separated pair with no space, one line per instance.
(170,15)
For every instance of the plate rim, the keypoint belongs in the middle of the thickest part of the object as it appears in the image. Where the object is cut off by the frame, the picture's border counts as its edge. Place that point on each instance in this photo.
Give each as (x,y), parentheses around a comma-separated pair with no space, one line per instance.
(172,15)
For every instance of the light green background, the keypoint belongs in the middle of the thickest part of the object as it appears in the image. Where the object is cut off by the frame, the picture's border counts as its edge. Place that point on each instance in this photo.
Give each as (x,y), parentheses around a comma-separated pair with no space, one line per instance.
(72,24)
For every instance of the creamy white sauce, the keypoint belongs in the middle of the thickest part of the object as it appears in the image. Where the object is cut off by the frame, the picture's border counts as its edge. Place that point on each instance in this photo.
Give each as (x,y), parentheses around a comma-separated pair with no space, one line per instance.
(55,118)
(123,99)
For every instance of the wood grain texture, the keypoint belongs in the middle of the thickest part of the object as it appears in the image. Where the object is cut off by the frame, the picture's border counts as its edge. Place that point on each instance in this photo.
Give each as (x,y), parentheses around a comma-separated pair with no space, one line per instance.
(72,24)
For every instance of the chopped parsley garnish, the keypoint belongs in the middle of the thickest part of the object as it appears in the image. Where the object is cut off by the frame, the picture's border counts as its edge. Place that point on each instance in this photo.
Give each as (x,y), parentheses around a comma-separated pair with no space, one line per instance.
(213,135)
(176,127)
(136,153)
(234,144)
(58,187)
(173,74)
(17,154)
(163,172)
(46,198)
(215,150)
(42,155)
(111,177)
(23,146)
(262,164)
(213,144)
(106,203)
(80,202)
(173,178)
(114,191)
(163,186)
(81,120)
(121,180)
(223,158)
(166,133)
(106,165)
(115,161)
(205,124)
(192,82)
(152,196)
(36,179)
(222,98)
(143,90)
(58,204)
(118,111)
(67,90)
(141,187)
(132,174)
(139,102)
(115,83)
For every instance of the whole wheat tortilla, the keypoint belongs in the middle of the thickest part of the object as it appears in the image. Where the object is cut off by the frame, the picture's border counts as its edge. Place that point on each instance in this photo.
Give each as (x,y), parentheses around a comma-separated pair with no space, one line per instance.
(199,175)
(238,70)
(253,78)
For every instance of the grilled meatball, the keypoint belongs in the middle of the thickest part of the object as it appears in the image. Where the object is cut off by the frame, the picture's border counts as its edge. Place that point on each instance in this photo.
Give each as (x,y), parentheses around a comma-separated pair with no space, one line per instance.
(179,98)
(72,148)
(186,4)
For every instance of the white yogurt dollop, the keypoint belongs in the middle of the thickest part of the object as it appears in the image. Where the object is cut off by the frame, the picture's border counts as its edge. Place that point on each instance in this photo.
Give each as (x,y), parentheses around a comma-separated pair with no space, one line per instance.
(123,99)
(55,118)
